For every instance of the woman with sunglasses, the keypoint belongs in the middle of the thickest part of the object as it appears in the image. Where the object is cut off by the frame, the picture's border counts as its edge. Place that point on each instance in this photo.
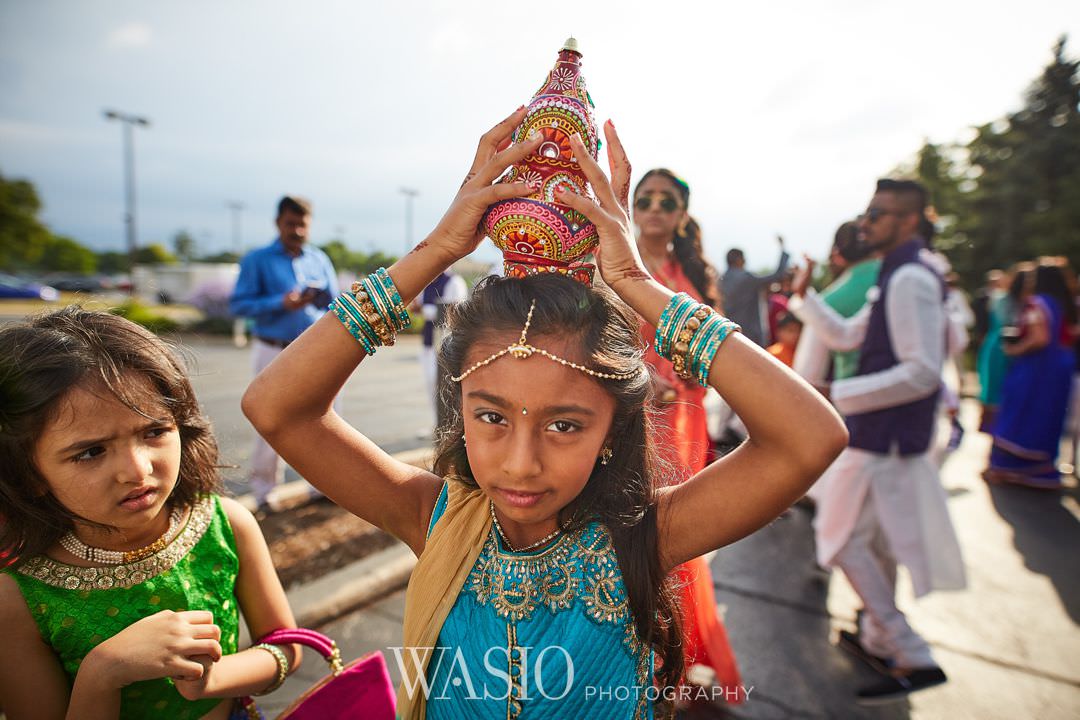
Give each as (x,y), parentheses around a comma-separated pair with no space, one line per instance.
(669,241)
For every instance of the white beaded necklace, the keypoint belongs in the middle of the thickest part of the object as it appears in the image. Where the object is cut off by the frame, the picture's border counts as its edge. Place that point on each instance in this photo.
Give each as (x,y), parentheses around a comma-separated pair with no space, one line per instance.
(498,528)
(79,549)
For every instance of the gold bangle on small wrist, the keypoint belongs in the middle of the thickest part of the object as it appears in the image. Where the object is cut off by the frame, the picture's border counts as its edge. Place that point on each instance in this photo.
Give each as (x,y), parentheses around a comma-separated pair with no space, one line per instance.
(282,666)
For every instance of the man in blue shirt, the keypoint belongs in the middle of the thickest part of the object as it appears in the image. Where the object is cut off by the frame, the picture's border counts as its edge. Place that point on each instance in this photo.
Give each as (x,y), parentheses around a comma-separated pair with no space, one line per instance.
(284,288)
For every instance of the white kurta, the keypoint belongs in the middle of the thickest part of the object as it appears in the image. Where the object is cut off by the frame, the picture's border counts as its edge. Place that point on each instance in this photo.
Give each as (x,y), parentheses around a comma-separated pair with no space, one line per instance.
(906,491)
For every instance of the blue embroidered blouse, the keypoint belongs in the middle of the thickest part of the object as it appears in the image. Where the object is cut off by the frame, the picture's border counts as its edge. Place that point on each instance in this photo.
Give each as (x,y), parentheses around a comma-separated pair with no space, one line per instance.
(541,635)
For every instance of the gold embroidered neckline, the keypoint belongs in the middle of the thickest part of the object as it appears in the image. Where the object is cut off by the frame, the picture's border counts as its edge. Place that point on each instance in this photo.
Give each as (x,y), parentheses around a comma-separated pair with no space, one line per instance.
(72,577)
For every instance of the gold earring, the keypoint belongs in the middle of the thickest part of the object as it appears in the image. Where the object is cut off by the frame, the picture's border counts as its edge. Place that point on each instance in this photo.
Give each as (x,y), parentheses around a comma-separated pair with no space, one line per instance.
(605,456)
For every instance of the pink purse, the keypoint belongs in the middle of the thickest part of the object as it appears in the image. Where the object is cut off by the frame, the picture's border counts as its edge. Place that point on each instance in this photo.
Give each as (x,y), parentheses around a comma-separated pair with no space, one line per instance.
(361,689)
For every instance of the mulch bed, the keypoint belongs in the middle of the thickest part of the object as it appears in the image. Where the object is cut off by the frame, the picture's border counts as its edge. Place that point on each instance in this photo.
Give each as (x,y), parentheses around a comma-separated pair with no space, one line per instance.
(312,540)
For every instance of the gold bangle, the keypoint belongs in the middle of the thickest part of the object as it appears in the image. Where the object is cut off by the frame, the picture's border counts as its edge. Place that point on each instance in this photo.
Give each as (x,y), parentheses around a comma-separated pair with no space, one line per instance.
(282,666)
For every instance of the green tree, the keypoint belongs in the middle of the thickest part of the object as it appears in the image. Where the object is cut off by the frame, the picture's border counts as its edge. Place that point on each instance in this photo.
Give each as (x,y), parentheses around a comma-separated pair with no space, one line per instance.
(23,237)
(62,254)
(355,260)
(1013,191)
(154,254)
(222,257)
(339,255)
(184,246)
(1048,150)
(111,262)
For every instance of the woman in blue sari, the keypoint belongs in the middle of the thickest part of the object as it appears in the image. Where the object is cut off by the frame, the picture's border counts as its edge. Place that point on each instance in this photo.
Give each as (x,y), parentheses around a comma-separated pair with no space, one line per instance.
(1037,387)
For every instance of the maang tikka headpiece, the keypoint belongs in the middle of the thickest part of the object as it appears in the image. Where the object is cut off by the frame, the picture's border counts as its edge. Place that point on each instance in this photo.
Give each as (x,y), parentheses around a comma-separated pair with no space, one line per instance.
(522,349)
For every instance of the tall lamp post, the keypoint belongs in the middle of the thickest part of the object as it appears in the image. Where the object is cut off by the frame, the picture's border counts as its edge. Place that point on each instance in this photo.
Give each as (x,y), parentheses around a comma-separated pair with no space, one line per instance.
(237,207)
(129,122)
(410,195)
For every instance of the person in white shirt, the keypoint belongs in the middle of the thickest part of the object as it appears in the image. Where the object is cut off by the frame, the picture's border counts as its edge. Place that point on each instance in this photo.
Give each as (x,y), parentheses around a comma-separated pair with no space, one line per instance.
(881,502)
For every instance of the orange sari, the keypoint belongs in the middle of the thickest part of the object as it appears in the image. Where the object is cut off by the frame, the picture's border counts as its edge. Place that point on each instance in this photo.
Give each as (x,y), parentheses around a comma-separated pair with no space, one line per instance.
(682,439)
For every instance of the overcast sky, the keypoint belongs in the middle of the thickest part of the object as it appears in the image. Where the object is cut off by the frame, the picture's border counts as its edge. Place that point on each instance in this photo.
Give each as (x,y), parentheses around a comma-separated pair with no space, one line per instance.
(780,115)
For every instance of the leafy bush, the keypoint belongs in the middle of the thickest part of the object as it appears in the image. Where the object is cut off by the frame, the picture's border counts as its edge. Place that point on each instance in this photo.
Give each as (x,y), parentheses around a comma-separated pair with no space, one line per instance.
(138,313)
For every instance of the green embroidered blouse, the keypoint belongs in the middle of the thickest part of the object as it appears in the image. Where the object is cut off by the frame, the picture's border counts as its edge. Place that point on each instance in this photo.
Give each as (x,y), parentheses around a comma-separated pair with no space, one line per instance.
(77,608)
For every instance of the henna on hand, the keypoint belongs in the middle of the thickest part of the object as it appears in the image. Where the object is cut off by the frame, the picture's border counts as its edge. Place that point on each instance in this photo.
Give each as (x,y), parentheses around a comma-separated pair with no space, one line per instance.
(631,274)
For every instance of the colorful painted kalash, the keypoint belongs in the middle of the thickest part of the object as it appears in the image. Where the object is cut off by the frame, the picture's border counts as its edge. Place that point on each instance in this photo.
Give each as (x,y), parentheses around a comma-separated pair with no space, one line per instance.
(535,233)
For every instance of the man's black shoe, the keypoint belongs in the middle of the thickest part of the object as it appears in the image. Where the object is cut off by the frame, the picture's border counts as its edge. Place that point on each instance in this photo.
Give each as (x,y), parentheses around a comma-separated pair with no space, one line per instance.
(849,642)
(896,687)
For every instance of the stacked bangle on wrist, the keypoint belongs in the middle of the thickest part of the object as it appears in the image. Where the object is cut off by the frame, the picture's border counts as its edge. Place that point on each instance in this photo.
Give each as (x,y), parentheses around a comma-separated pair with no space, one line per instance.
(282,666)
(372,311)
(689,334)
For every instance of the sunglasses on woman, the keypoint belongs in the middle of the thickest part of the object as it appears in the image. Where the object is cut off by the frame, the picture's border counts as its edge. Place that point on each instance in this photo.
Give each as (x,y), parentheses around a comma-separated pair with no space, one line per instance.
(668,204)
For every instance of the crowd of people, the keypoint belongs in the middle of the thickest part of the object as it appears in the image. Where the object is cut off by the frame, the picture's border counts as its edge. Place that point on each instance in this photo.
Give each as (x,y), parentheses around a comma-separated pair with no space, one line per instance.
(575,487)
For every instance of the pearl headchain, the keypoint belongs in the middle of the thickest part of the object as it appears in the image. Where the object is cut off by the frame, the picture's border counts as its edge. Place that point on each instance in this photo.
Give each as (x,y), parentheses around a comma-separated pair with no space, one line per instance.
(522,350)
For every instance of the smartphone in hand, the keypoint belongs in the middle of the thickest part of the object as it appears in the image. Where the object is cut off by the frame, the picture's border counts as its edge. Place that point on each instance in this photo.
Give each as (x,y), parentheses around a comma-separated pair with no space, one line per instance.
(316,293)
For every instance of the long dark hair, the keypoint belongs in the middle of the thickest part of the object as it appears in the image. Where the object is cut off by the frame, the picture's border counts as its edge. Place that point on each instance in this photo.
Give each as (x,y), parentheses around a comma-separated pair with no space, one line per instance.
(620,494)
(41,360)
(1051,280)
(687,244)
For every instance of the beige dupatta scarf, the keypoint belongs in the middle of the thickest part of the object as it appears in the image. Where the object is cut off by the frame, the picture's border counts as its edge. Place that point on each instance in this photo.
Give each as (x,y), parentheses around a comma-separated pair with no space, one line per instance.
(440,572)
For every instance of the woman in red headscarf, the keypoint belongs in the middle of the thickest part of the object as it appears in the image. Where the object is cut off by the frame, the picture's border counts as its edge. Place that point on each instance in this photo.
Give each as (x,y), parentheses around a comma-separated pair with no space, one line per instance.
(669,241)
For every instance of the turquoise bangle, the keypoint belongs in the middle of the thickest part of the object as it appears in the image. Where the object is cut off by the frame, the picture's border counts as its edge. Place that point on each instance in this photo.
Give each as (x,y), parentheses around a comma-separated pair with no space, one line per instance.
(380,298)
(702,354)
(669,335)
(698,343)
(379,301)
(665,316)
(359,326)
(708,352)
(352,322)
(394,298)
(721,333)
(351,328)
(352,305)
(675,304)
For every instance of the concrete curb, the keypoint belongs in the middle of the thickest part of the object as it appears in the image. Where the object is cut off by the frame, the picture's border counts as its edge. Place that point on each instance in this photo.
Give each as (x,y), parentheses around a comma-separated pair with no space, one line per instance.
(357,584)
(294,494)
(352,587)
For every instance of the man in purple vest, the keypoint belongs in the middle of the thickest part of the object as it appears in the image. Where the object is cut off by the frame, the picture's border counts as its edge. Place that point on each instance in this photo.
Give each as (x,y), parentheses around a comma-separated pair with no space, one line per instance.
(881,502)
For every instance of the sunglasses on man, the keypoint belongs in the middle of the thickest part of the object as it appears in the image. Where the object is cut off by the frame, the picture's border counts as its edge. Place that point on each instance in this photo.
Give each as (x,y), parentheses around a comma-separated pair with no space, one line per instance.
(873,214)
(668,204)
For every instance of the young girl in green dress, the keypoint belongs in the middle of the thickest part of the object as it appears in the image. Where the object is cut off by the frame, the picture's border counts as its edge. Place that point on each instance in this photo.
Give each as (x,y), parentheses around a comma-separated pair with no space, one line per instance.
(544,537)
(129,572)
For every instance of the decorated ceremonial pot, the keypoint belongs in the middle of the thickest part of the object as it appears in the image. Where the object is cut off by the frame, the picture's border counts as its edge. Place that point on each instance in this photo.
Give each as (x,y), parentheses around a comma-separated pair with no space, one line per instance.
(535,233)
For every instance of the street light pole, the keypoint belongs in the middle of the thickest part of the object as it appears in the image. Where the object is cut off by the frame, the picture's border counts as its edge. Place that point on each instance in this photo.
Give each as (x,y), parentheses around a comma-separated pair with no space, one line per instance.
(129,122)
(237,207)
(410,195)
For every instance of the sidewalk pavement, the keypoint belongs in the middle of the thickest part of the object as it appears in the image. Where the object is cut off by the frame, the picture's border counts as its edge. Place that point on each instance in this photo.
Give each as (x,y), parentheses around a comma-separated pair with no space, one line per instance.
(348,588)
(1009,643)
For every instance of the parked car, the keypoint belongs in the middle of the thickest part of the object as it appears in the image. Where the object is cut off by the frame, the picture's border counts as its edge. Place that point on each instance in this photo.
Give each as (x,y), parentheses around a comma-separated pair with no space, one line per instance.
(13,287)
(77,283)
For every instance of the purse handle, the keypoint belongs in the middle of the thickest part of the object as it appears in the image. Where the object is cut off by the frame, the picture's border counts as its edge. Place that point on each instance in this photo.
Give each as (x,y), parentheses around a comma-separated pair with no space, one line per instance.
(322,644)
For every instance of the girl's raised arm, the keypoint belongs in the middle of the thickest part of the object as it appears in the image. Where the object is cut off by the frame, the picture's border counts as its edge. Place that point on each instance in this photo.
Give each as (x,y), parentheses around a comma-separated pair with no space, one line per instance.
(793,433)
(290,402)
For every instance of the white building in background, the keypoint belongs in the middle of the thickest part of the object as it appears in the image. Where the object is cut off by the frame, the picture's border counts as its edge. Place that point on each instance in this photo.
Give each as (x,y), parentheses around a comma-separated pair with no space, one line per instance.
(177,283)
